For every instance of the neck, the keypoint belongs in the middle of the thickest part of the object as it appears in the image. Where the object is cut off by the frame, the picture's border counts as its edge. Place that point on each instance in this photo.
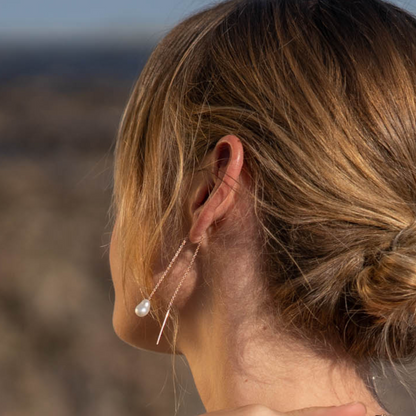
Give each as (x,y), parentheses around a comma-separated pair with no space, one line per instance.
(238,364)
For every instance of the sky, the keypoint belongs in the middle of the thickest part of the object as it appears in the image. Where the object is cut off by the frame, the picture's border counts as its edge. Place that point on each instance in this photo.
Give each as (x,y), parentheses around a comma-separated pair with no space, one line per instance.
(53,19)
(43,20)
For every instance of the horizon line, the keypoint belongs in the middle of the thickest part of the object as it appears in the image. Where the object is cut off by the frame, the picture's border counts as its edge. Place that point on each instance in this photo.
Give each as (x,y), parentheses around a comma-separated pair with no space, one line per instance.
(141,37)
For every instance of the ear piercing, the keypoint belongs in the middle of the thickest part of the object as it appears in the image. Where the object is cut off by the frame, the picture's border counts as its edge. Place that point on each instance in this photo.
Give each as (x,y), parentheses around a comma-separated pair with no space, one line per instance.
(143,308)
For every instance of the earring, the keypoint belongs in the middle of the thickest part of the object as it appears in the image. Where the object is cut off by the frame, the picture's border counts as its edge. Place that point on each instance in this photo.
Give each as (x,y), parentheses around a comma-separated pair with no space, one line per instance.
(143,308)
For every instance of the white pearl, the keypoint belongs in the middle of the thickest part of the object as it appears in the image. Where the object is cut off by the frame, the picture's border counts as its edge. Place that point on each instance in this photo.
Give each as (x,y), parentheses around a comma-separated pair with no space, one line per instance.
(143,308)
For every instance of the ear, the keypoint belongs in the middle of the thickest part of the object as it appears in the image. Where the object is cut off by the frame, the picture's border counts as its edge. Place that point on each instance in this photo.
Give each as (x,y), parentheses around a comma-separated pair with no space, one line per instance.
(213,200)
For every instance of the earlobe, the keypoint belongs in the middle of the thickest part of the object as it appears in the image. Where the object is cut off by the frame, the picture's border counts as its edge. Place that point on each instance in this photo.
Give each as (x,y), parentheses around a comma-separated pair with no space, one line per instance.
(215,199)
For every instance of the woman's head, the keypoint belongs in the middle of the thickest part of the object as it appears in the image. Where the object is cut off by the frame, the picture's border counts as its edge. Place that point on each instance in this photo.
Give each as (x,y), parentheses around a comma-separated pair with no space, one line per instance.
(321,95)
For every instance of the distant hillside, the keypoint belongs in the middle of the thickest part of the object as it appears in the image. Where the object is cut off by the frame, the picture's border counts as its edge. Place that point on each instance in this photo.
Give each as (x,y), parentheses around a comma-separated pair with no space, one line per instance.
(74,62)
(64,99)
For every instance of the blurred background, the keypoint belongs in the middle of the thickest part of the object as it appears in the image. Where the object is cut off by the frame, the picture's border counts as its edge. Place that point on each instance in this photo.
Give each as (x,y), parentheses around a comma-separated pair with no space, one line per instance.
(66,71)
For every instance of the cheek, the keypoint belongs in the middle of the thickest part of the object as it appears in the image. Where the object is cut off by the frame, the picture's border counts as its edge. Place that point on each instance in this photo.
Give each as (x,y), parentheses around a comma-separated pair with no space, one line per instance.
(124,318)
(138,332)
(116,263)
(116,273)
(114,259)
(119,311)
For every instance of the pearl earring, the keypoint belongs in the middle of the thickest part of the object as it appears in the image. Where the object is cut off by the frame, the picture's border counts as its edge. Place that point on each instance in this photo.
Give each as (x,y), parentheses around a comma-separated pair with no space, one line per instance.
(143,308)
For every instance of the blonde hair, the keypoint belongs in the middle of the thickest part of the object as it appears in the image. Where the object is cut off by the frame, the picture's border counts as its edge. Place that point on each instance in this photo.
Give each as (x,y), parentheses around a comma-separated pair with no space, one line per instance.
(322,96)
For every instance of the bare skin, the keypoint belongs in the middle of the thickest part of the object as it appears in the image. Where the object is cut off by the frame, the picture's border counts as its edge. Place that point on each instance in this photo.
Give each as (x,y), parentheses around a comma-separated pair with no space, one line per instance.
(353,409)
(236,354)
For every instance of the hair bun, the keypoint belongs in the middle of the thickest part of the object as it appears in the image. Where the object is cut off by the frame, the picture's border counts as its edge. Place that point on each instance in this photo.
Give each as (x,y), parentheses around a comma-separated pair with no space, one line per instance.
(387,290)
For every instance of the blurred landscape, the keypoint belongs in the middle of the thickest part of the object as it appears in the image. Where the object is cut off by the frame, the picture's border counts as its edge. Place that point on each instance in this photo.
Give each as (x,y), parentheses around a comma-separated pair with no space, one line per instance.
(66,73)
(60,109)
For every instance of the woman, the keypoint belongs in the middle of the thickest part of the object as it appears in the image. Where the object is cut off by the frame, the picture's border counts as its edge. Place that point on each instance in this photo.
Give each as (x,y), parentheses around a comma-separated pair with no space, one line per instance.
(267,160)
